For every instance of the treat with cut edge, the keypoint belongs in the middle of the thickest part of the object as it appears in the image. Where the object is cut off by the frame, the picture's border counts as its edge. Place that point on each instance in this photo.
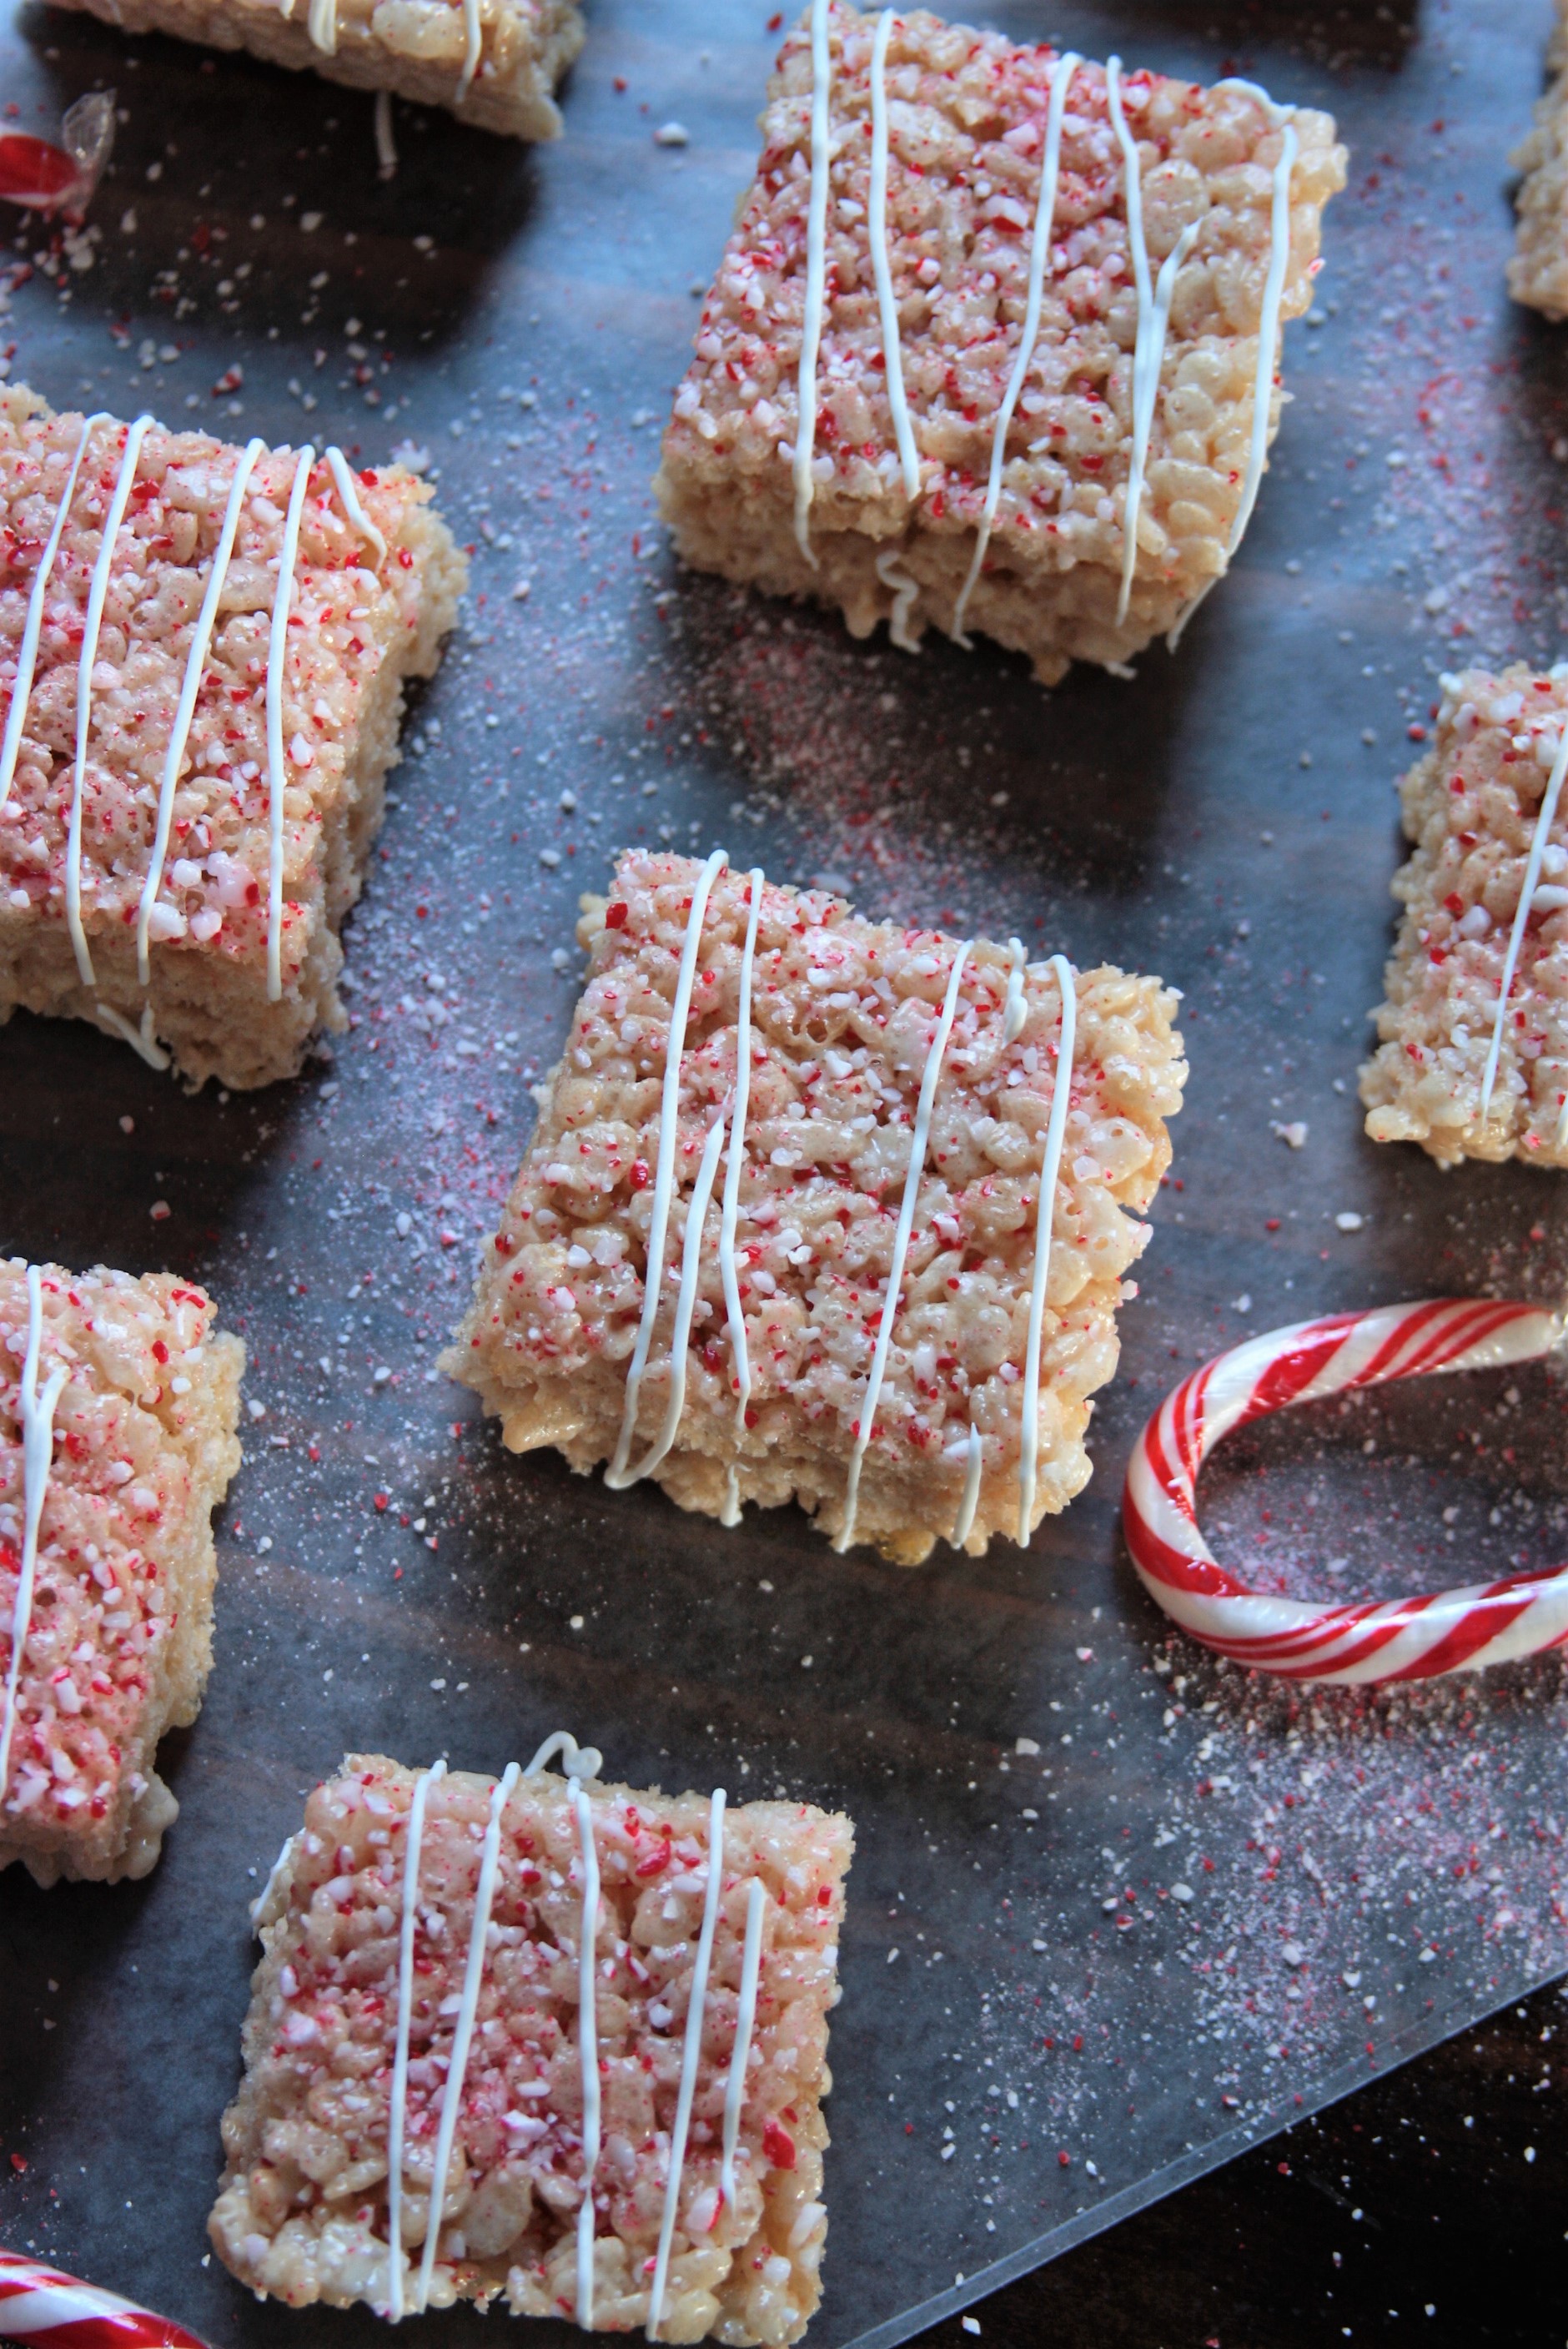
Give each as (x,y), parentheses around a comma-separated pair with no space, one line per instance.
(197,643)
(1473,1054)
(106,1563)
(845,1319)
(1538,268)
(1026,414)
(418,2035)
(492,63)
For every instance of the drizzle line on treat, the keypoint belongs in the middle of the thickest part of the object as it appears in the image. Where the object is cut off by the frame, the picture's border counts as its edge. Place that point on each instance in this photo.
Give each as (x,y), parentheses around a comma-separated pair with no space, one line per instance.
(97,596)
(1051,1174)
(734,1317)
(904,591)
(38,1415)
(745,2023)
(1539,838)
(27,654)
(1015,1010)
(887,307)
(277,647)
(587,2050)
(1269,332)
(1062,72)
(321,24)
(191,685)
(691,2049)
(686,1302)
(975,1460)
(472,39)
(616,1475)
(816,274)
(467,2015)
(1153,319)
(396,2117)
(891,1295)
(337,465)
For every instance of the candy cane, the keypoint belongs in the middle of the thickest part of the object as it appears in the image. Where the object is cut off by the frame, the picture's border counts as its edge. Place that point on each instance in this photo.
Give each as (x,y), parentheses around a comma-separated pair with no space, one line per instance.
(1397,1640)
(39,2303)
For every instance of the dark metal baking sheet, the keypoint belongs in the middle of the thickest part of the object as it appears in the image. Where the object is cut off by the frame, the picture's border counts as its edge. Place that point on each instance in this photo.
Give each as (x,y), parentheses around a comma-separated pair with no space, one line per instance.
(1366,1873)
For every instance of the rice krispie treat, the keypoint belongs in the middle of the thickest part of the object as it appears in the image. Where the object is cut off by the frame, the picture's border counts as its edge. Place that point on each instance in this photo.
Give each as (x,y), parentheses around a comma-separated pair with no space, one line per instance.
(1538,270)
(119,1401)
(536,2003)
(895,1303)
(492,63)
(1472,1058)
(202,652)
(995,342)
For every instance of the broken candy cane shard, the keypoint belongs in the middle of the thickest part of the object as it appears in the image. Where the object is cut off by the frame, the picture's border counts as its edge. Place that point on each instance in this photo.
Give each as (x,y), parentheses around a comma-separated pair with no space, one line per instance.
(1366,1642)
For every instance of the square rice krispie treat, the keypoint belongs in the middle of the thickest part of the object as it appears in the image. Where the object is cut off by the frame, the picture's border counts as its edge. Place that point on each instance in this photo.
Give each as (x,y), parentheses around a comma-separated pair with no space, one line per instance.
(1472,1057)
(202,652)
(948,373)
(493,62)
(893,1298)
(419,2032)
(119,1401)
(1538,271)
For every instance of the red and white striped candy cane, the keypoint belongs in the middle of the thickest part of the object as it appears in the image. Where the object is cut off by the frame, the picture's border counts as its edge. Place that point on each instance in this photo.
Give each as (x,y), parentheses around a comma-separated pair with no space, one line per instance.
(1400,1639)
(39,2304)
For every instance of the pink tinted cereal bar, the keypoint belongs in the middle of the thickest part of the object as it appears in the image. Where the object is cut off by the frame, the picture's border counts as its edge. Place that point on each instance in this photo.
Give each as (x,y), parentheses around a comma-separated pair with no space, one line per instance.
(493,62)
(1471,993)
(418,2035)
(1072,381)
(107,1562)
(138,884)
(843,1296)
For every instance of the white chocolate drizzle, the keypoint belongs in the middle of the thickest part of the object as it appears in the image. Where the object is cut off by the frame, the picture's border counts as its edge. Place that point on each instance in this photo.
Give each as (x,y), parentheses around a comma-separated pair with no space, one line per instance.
(587,2049)
(321,22)
(691,2051)
(1153,321)
(1062,72)
(685,1302)
(1051,1174)
(277,650)
(887,307)
(143,1039)
(397,2109)
(745,2024)
(97,596)
(191,685)
(1268,340)
(463,2028)
(891,1296)
(1016,1009)
(1539,839)
(975,1460)
(348,491)
(27,654)
(472,36)
(735,1317)
(616,1475)
(37,1413)
(905,591)
(816,277)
